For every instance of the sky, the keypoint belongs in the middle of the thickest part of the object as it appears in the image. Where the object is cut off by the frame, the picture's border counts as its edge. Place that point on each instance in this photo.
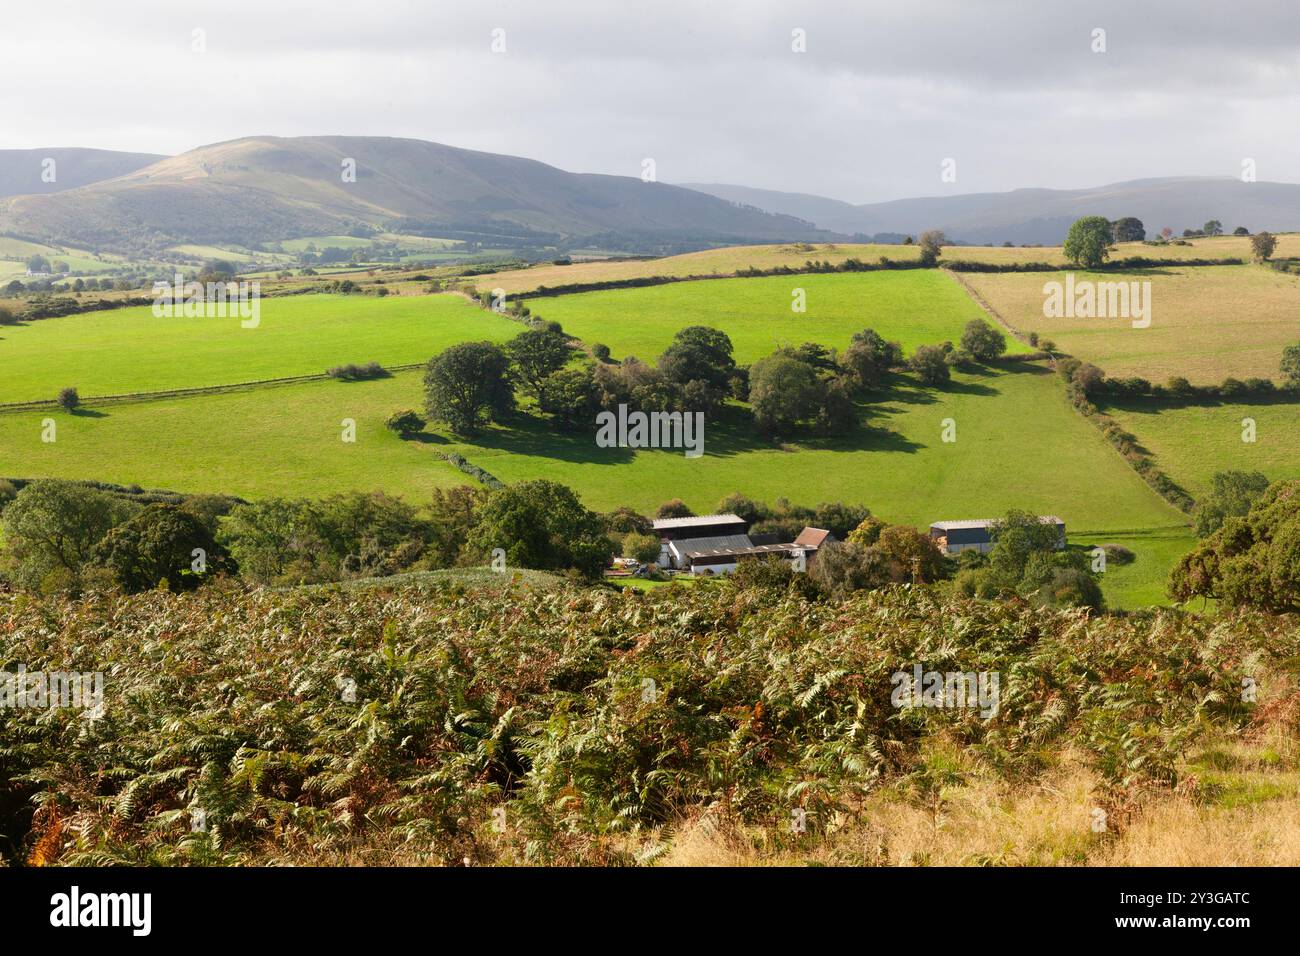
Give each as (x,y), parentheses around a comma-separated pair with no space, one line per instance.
(1016,93)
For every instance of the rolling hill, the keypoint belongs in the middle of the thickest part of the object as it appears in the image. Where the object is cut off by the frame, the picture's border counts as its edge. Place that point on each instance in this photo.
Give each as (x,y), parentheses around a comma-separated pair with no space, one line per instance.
(1042,215)
(268,188)
(21,169)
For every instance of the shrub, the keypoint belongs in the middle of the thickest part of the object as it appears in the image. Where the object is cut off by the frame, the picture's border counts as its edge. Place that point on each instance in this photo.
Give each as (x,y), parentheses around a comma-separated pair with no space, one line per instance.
(929,364)
(983,341)
(405,423)
(355,373)
(643,547)
(69,399)
(676,508)
(1118,554)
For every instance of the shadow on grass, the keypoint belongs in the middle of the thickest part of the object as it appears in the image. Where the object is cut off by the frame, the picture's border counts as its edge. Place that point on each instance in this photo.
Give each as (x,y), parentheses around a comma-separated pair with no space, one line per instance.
(88,413)
(730,432)
(1155,406)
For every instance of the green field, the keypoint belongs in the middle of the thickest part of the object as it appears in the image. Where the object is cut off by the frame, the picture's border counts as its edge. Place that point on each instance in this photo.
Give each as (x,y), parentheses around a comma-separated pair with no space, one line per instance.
(129,350)
(285,440)
(1143,582)
(1192,442)
(1207,322)
(916,307)
(255,442)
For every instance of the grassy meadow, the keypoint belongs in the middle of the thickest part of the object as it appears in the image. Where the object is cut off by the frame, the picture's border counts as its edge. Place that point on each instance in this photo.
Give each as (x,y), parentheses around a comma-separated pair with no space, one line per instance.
(256,442)
(285,440)
(128,351)
(1207,322)
(1192,442)
(734,258)
(916,307)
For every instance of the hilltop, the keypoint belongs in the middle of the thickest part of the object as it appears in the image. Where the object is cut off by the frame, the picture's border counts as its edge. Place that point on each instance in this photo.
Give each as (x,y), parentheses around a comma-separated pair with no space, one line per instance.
(268,188)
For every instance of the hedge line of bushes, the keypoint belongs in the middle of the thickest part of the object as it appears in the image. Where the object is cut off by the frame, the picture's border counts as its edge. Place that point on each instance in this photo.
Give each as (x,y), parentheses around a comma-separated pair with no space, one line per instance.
(474,471)
(1123,441)
(1130,262)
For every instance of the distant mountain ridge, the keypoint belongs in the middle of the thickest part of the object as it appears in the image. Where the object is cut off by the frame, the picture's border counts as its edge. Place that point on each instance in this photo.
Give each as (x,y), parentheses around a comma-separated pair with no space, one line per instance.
(262,189)
(24,171)
(1043,215)
(267,188)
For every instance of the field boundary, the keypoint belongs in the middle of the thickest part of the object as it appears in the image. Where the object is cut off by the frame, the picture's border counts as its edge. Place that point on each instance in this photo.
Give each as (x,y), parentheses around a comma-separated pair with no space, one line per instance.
(984,304)
(1142,463)
(128,397)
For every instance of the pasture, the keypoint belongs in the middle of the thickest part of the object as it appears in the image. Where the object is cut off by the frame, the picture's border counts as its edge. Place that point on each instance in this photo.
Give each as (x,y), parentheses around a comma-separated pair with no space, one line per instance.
(129,350)
(256,442)
(1192,442)
(1207,323)
(1019,444)
(914,307)
(727,261)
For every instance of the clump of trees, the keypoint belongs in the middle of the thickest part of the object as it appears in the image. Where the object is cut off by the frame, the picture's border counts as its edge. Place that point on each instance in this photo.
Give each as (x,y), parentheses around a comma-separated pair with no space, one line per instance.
(875,554)
(1026,560)
(541,525)
(1252,560)
(1128,229)
(469,385)
(67,537)
(1232,493)
(929,363)
(786,520)
(162,545)
(1087,244)
(869,358)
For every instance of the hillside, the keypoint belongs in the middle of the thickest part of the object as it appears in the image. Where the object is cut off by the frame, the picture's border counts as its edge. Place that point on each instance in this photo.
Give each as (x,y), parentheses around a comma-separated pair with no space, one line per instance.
(270,188)
(21,169)
(460,724)
(1043,215)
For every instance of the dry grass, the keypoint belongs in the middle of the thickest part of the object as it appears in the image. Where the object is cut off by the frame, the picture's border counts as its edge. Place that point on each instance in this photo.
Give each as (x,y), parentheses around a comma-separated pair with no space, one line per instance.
(1248,815)
(1207,322)
(1254,822)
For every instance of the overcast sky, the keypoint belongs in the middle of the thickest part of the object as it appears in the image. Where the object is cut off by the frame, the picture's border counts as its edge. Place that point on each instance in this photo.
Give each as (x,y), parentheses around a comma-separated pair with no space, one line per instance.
(710,89)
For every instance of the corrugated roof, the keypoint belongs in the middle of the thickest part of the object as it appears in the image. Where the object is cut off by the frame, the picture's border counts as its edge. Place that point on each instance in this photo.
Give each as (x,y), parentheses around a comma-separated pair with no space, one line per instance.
(741,552)
(715,543)
(661,524)
(985,522)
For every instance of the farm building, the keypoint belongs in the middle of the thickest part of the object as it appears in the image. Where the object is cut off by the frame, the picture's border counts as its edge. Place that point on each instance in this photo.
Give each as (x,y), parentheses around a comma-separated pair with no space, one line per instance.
(688,545)
(954,537)
(670,530)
